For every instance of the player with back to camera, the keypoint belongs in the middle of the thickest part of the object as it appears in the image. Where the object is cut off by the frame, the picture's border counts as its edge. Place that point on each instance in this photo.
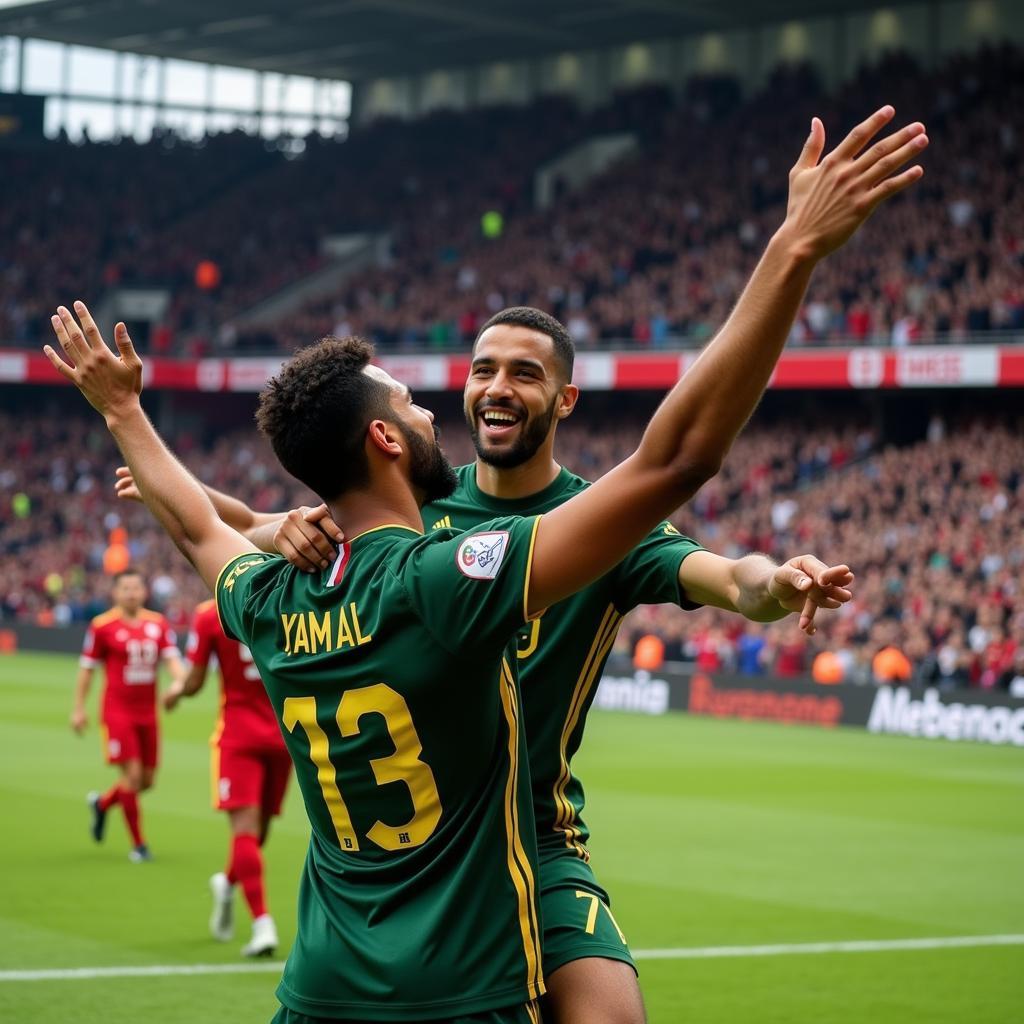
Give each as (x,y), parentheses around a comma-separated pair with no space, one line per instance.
(419,896)
(129,641)
(249,766)
(518,390)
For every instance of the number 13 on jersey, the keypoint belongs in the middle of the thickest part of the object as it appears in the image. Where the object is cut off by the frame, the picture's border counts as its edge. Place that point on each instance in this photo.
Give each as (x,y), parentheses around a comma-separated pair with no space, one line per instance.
(404,765)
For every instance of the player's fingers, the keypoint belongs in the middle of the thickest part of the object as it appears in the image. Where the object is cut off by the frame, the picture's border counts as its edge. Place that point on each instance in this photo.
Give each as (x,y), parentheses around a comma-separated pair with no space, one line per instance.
(864,133)
(289,551)
(58,364)
(77,345)
(795,577)
(122,471)
(813,147)
(891,186)
(316,545)
(125,347)
(841,575)
(897,158)
(888,145)
(64,337)
(90,331)
(807,617)
(321,516)
(824,601)
(812,566)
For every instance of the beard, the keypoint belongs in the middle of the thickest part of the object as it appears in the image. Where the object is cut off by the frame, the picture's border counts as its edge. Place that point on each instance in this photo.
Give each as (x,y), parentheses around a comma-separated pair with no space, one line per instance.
(532,435)
(429,469)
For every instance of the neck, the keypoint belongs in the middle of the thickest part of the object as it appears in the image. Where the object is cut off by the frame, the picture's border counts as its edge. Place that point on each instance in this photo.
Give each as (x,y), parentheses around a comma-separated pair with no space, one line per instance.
(358,512)
(131,615)
(518,481)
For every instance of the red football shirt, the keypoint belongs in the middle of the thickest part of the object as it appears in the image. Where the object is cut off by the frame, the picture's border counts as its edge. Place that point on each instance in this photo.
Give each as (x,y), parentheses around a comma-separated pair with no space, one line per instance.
(130,651)
(246,716)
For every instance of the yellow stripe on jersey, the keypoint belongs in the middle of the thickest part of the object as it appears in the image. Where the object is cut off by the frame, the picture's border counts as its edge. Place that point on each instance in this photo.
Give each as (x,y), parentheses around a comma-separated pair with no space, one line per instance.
(533,1013)
(518,862)
(384,526)
(563,775)
(521,854)
(565,812)
(443,524)
(527,617)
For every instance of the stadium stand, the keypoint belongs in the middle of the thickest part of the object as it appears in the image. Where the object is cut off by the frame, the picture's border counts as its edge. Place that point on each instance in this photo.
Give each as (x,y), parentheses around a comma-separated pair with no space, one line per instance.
(650,254)
(948,597)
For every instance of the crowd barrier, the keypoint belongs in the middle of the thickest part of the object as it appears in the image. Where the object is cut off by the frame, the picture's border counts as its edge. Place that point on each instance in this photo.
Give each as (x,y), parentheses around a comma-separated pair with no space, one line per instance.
(959,715)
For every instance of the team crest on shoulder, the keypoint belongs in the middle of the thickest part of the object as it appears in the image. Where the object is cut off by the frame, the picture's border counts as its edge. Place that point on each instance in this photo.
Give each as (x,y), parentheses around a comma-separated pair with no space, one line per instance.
(479,557)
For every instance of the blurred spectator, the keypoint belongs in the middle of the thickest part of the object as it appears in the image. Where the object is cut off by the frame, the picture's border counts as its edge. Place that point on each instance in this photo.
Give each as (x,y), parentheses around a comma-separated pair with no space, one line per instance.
(934,531)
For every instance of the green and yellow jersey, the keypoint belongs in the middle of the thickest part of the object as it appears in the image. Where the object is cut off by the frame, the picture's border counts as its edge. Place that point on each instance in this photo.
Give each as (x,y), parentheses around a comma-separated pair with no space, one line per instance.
(562,653)
(393,678)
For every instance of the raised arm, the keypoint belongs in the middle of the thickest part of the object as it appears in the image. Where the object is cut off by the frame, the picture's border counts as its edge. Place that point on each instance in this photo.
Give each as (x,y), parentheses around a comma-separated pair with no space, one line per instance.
(306,536)
(174,496)
(695,426)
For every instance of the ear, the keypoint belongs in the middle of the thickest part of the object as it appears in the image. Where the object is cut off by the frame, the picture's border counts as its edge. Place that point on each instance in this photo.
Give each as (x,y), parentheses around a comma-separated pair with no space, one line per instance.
(385,438)
(567,400)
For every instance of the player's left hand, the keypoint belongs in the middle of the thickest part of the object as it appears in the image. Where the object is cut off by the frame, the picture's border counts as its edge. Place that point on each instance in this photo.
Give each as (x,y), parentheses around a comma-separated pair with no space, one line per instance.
(805,583)
(125,486)
(308,538)
(109,383)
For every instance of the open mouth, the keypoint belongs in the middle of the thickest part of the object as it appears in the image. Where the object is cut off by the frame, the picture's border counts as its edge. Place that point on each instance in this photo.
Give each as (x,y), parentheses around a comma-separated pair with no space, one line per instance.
(497,423)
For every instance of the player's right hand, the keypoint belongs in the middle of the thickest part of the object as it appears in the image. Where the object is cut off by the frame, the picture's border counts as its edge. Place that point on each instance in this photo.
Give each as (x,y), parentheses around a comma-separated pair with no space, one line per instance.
(79,721)
(172,695)
(830,198)
(124,486)
(308,538)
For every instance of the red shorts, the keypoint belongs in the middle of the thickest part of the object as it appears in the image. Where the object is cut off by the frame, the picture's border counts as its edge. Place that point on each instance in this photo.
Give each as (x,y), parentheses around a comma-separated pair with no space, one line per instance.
(249,777)
(127,740)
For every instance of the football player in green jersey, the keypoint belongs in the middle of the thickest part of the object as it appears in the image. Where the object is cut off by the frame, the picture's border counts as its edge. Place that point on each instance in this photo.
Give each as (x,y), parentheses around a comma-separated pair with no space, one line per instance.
(518,389)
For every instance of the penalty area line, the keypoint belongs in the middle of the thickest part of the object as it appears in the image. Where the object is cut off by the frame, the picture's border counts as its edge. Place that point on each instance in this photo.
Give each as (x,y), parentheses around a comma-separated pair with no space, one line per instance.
(684,953)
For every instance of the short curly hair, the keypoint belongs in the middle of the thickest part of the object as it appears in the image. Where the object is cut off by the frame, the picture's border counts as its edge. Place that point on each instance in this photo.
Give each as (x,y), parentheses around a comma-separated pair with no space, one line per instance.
(316,410)
(544,323)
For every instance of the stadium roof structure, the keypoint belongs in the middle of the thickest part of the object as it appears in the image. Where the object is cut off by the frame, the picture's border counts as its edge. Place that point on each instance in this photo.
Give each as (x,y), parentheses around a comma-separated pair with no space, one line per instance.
(362,39)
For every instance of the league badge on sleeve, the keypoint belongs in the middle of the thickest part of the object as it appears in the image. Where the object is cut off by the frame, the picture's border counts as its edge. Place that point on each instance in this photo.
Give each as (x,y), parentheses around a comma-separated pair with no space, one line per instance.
(479,557)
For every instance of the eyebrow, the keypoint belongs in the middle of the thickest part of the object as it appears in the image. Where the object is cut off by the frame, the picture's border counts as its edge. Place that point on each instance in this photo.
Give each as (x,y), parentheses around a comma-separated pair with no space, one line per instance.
(531,364)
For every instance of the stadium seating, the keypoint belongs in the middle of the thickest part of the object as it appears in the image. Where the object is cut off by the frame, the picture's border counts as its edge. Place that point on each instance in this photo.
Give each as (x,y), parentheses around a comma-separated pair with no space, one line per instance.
(948,595)
(652,253)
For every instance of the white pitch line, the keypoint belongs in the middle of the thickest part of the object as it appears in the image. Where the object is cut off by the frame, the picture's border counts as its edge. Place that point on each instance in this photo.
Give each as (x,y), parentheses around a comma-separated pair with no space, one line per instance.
(160,971)
(803,948)
(684,953)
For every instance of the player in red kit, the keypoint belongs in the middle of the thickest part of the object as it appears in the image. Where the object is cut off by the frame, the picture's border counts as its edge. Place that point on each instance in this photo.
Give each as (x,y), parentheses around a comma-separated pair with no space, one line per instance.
(250,767)
(130,641)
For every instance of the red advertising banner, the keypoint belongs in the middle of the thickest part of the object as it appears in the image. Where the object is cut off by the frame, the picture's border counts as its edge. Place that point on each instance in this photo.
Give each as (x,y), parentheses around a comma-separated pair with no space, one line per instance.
(938,366)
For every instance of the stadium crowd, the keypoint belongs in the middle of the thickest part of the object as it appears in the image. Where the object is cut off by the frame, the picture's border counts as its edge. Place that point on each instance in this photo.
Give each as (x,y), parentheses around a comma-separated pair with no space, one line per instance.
(652,252)
(932,530)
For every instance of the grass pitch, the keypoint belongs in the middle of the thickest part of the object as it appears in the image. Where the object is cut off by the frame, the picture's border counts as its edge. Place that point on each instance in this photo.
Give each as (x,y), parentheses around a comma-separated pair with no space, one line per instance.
(706,834)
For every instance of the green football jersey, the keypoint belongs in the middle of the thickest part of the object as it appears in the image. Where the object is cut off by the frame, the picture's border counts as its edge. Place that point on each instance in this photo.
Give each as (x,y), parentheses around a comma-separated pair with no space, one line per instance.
(392,676)
(562,653)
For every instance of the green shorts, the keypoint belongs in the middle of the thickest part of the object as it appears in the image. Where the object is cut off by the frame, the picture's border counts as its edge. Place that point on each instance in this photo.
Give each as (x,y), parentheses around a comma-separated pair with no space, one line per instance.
(524,1013)
(576,914)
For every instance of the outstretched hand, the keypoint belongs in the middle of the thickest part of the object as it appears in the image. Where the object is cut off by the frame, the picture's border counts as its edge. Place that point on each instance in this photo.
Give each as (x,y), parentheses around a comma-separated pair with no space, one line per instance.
(805,583)
(830,198)
(110,383)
